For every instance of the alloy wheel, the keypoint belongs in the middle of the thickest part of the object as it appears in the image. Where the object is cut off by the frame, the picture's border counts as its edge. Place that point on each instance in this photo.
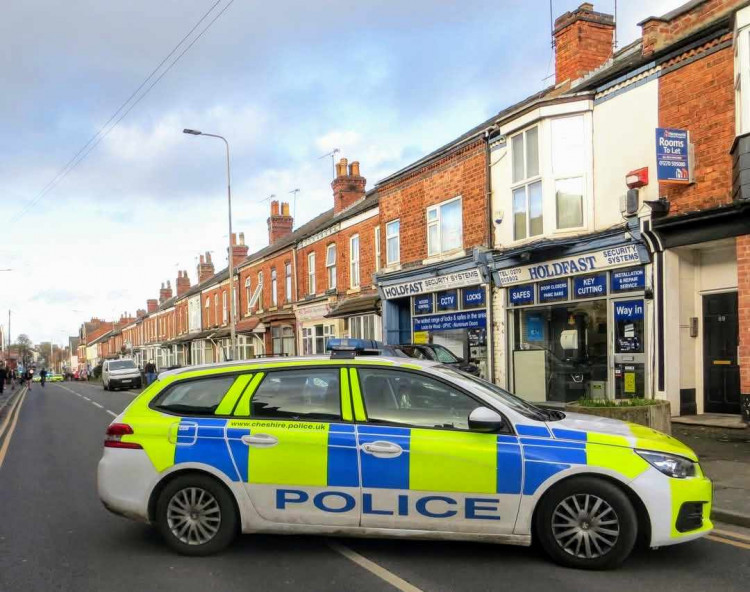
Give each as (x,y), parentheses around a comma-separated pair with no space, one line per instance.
(193,516)
(585,526)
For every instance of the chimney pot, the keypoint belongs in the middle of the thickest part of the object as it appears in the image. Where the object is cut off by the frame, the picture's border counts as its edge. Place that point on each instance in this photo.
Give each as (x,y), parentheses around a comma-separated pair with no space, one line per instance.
(274,208)
(234,238)
(354,169)
(284,209)
(348,187)
(242,238)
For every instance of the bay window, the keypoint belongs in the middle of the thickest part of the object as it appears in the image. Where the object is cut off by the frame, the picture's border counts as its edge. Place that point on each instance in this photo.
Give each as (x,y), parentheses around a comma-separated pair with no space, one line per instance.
(354,261)
(527,184)
(392,242)
(311,273)
(568,165)
(331,266)
(444,227)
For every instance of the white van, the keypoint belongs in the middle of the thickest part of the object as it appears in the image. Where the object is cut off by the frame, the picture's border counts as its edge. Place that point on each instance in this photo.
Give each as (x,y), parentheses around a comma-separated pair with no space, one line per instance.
(120,374)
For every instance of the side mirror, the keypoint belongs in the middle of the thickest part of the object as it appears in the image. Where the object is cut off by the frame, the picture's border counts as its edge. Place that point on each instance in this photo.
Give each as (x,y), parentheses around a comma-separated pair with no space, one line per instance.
(484,419)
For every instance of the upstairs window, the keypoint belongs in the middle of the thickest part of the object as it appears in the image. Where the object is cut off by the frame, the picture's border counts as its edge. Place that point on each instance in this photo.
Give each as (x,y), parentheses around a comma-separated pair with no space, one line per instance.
(216,309)
(311,273)
(224,309)
(527,184)
(288,281)
(377,248)
(392,242)
(568,166)
(274,288)
(259,289)
(331,266)
(248,293)
(354,261)
(444,227)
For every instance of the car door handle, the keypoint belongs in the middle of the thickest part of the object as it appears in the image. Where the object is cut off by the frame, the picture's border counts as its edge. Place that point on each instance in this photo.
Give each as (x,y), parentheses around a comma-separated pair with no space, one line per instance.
(260,440)
(382,449)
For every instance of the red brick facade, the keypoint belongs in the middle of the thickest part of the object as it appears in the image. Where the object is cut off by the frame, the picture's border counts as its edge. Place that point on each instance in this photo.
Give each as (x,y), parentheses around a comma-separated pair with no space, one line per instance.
(463,173)
(699,97)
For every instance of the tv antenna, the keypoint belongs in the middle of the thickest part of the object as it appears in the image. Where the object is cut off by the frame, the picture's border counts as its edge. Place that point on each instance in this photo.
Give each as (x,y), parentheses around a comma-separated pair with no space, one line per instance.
(294,203)
(332,154)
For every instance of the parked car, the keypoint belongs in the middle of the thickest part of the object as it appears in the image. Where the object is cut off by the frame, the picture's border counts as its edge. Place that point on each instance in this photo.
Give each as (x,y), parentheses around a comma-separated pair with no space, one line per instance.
(120,374)
(365,346)
(438,353)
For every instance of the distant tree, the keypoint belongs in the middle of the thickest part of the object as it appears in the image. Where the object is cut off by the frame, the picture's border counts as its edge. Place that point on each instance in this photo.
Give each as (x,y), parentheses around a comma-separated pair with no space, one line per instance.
(24,346)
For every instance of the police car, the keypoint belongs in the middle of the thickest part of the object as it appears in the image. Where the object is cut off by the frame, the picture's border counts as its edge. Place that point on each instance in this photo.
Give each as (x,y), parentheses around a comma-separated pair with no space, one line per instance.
(377,447)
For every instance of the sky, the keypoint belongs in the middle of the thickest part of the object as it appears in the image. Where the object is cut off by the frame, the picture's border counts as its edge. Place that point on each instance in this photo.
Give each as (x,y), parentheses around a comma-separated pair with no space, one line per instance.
(286,82)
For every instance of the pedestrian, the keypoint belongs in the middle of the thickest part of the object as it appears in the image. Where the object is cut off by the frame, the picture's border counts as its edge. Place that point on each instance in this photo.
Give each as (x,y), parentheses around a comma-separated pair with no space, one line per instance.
(26,378)
(43,376)
(3,377)
(150,372)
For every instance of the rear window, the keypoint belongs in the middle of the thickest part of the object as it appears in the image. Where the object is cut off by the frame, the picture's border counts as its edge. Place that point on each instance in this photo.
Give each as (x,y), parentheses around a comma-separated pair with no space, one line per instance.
(195,397)
(122,365)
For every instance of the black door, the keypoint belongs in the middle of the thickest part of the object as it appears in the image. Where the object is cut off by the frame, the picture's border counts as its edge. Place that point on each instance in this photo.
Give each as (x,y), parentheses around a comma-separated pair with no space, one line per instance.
(721,373)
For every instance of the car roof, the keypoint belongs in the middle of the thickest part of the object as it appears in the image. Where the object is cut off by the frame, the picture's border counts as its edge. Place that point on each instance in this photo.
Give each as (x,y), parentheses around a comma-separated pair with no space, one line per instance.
(307,360)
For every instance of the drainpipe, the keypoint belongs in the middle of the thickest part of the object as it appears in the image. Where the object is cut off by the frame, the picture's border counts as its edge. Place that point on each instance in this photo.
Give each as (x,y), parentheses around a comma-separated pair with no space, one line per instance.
(490,245)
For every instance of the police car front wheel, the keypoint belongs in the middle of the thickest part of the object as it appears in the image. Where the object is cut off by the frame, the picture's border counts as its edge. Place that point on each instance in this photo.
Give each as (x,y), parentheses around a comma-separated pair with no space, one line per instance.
(196,516)
(588,523)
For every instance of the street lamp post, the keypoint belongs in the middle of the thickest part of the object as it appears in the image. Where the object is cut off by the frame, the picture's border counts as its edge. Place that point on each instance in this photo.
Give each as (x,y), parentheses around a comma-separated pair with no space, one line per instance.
(233,336)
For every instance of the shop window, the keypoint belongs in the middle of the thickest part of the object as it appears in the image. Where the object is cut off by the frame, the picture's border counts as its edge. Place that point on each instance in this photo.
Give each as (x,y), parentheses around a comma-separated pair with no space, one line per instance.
(274,288)
(298,394)
(288,281)
(444,227)
(311,273)
(392,242)
(377,248)
(354,261)
(245,347)
(393,397)
(282,338)
(331,266)
(527,185)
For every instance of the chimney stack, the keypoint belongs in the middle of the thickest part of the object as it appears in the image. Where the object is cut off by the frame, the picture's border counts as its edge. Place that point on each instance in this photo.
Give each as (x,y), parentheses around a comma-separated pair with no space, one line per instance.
(205,268)
(165,293)
(348,186)
(183,283)
(239,251)
(140,313)
(152,305)
(584,40)
(280,223)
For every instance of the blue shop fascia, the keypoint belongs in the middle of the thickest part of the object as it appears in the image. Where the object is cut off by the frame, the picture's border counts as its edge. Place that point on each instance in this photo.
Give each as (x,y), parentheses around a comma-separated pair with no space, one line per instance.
(445,303)
(574,317)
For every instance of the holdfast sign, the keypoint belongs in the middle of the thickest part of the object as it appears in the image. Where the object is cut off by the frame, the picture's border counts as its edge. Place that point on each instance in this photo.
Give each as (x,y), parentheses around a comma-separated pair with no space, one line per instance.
(629,310)
(454,320)
(521,295)
(447,300)
(626,280)
(457,279)
(550,291)
(423,304)
(473,297)
(597,261)
(672,155)
(590,286)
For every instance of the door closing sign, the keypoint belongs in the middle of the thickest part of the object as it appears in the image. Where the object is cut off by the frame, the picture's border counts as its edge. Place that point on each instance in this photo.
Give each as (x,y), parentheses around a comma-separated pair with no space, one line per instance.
(672,155)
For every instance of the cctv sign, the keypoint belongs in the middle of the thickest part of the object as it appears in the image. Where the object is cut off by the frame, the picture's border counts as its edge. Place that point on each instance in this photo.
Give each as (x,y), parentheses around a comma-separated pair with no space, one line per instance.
(673,156)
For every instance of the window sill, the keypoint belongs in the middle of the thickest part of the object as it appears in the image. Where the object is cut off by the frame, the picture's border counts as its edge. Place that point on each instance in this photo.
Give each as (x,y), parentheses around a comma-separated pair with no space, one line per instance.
(273,308)
(356,290)
(390,268)
(447,256)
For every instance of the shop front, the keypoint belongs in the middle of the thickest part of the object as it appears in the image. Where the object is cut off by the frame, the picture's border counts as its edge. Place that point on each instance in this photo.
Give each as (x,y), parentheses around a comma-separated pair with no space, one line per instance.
(314,329)
(359,317)
(578,326)
(448,308)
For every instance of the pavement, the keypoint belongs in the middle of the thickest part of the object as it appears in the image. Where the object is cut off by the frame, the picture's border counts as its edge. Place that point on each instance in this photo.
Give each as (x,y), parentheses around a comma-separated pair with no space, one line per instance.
(55,534)
(724,453)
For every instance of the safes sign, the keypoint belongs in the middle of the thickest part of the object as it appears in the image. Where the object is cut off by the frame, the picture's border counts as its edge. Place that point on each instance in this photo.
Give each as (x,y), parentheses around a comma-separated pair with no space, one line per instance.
(579,264)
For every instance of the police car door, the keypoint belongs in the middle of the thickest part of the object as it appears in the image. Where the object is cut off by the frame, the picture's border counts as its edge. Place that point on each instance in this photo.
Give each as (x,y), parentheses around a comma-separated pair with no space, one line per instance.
(301,458)
(422,468)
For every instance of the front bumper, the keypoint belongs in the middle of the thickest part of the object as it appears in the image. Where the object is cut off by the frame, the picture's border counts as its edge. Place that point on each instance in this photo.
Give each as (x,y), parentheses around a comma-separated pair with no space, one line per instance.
(125,479)
(127,381)
(679,509)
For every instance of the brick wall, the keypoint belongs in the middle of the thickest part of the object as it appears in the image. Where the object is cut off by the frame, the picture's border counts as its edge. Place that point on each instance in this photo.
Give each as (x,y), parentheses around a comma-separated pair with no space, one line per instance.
(743,280)
(699,97)
(464,173)
(277,261)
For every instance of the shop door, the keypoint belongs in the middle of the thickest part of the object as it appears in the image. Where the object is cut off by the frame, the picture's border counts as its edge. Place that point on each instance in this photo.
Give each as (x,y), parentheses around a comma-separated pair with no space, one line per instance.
(721,374)
(629,348)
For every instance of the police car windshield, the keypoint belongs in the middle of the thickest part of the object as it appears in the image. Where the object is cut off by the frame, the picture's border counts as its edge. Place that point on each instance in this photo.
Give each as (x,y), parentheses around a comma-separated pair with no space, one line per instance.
(494,391)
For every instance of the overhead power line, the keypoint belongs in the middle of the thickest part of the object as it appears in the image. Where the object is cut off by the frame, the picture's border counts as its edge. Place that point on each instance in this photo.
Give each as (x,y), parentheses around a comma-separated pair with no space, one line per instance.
(104,131)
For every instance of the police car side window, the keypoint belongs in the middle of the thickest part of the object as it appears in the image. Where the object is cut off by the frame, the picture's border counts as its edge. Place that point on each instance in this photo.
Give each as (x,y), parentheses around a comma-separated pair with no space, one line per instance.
(196,397)
(405,398)
(299,394)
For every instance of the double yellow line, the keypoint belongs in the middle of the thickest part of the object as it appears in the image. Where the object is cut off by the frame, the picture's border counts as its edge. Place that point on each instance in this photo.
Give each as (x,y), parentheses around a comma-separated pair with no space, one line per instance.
(727,537)
(9,423)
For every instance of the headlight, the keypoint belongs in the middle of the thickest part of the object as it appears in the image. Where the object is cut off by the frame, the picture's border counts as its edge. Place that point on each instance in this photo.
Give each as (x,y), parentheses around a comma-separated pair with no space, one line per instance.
(671,465)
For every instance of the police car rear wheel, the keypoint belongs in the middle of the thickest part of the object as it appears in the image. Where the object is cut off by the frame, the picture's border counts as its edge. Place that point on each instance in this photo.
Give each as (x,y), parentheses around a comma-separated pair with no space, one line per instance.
(196,516)
(587,523)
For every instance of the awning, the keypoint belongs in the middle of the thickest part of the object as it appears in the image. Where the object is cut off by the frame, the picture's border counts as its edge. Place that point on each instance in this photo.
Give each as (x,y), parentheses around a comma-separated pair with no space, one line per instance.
(247,325)
(356,306)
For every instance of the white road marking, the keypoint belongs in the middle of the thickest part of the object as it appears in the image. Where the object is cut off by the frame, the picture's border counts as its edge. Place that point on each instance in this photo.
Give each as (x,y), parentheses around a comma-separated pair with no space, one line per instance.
(87,399)
(374,568)
(97,405)
(112,413)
